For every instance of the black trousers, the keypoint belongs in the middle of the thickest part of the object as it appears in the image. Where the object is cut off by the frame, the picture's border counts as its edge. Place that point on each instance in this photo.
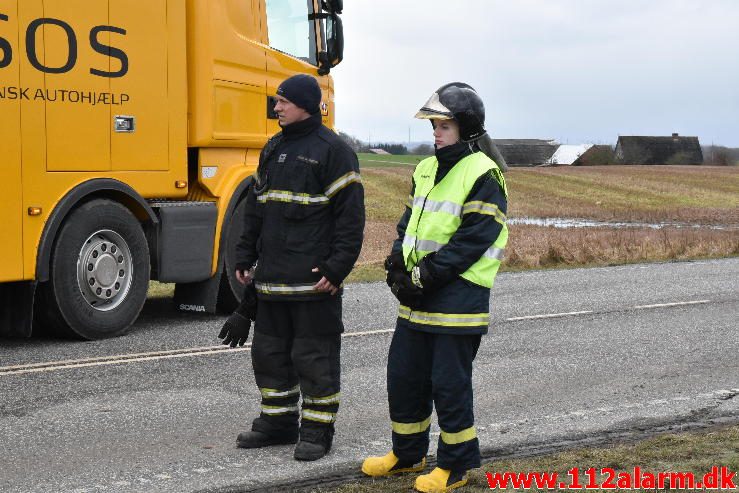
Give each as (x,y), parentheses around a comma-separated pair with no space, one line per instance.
(296,351)
(433,370)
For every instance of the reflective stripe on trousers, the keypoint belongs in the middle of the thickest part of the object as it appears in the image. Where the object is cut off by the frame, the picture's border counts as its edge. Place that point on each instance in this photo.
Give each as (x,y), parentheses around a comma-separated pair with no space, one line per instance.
(331,399)
(278,410)
(459,437)
(319,416)
(273,393)
(411,428)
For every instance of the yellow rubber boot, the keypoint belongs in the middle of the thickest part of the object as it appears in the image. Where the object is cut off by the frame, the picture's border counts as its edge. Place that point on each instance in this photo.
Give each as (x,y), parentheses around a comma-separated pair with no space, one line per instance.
(389,465)
(440,480)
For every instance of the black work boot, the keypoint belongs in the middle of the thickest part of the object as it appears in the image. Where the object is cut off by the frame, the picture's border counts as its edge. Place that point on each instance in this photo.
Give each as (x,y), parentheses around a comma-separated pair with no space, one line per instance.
(257,439)
(315,442)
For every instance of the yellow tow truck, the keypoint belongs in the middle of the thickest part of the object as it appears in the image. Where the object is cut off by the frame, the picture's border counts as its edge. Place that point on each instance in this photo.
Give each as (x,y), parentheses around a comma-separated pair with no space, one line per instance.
(130,130)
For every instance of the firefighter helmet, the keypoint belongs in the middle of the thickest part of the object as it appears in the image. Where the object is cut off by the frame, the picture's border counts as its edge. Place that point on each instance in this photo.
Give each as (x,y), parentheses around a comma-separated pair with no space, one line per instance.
(460,102)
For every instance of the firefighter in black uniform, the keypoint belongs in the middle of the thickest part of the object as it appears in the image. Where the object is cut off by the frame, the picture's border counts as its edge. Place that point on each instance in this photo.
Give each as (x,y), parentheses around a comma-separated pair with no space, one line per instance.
(303,233)
(442,267)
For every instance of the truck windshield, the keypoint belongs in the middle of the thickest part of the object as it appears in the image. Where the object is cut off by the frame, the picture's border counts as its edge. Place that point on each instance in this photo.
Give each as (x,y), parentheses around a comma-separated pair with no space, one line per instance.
(290,30)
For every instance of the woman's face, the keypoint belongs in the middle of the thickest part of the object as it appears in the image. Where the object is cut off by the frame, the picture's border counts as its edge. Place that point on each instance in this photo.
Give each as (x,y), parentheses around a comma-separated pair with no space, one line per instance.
(446,132)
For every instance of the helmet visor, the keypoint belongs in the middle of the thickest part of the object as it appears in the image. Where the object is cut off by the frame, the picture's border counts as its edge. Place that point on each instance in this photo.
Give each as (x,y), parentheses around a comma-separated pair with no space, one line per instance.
(434,110)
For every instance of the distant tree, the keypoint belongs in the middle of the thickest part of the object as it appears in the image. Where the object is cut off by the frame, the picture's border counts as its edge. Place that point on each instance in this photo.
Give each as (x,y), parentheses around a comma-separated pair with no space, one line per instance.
(353,142)
(423,150)
(396,149)
(720,156)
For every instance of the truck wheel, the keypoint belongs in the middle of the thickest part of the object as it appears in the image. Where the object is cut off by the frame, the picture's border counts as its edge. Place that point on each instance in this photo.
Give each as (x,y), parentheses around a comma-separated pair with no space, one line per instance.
(231,290)
(99,273)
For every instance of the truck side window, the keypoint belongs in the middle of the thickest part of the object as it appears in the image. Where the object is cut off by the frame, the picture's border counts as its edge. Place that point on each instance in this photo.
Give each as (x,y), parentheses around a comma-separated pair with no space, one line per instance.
(290,30)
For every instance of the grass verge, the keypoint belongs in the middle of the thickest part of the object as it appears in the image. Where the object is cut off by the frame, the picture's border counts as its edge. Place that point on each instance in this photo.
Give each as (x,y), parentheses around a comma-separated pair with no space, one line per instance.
(695,452)
(160,290)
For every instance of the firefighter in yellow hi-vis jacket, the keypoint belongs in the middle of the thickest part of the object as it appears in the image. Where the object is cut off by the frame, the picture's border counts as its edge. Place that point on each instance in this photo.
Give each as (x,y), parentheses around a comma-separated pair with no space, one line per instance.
(442,266)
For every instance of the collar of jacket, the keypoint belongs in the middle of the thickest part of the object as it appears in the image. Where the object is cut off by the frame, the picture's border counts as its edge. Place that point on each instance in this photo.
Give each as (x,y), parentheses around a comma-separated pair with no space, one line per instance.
(302,128)
(449,156)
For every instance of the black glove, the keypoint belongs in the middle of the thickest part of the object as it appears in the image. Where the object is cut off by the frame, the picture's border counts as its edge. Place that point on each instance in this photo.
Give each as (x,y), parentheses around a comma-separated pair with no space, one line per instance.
(403,288)
(427,274)
(393,263)
(236,329)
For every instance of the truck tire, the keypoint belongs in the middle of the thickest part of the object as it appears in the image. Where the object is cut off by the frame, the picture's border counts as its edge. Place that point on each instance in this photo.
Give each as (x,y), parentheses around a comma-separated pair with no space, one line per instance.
(231,290)
(99,273)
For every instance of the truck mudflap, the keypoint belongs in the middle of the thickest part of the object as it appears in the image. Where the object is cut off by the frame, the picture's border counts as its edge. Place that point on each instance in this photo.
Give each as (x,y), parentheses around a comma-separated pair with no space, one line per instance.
(16,308)
(198,297)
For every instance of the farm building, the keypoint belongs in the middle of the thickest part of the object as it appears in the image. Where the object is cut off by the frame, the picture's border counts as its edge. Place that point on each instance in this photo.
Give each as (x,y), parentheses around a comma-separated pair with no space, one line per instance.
(526,152)
(567,154)
(596,155)
(659,150)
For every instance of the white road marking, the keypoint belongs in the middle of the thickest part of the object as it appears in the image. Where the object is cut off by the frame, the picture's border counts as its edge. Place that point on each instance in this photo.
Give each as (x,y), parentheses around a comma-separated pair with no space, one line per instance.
(120,359)
(549,315)
(663,305)
(115,357)
(221,349)
(368,333)
(137,357)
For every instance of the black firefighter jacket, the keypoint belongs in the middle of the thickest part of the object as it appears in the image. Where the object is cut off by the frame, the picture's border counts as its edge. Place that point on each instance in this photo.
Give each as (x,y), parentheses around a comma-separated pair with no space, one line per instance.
(305,210)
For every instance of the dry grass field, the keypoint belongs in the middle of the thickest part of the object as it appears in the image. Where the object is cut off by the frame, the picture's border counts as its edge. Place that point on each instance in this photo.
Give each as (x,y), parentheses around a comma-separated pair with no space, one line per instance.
(706,196)
(693,194)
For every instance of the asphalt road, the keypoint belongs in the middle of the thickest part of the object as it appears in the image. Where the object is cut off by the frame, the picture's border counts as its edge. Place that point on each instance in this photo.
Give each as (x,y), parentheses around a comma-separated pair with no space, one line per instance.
(571,355)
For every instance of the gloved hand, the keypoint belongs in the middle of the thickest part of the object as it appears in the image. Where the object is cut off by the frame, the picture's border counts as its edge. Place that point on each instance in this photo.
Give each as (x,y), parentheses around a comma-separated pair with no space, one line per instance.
(424,275)
(403,288)
(236,329)
(393,263)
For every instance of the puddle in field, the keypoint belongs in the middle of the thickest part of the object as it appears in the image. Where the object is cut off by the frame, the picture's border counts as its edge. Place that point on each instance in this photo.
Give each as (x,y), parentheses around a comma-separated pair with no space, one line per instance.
(561,222)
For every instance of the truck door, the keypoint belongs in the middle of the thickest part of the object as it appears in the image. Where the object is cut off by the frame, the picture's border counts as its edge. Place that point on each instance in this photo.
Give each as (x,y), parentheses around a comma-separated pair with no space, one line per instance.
(141,73)
(11,204)
(78,102)
(240,100)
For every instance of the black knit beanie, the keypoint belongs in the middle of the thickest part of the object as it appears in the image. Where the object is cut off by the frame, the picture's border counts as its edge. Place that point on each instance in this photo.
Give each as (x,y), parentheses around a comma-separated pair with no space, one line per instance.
(302,90)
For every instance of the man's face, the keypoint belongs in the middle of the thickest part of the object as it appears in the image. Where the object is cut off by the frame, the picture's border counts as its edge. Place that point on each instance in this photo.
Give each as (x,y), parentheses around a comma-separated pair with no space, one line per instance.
(288,112)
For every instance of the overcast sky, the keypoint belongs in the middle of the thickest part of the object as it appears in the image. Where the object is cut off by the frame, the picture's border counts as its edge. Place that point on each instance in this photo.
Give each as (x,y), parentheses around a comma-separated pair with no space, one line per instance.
(579,71)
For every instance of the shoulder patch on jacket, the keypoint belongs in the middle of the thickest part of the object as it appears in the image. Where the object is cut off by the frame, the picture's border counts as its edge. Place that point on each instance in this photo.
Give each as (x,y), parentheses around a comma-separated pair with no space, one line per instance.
(271,145)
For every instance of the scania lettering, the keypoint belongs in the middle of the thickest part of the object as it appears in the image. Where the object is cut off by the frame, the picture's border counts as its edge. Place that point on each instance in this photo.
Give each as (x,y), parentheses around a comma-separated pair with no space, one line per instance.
(130,132)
